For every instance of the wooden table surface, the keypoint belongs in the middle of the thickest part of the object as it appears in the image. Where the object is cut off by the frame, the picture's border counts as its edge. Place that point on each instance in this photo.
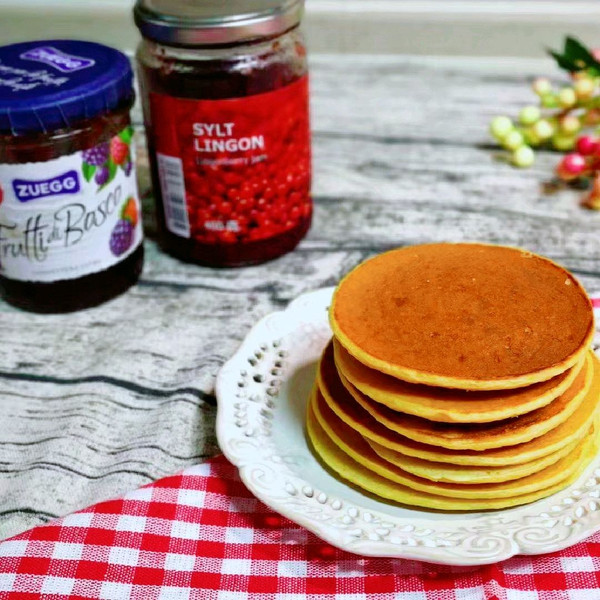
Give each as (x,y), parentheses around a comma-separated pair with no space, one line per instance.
(99,402)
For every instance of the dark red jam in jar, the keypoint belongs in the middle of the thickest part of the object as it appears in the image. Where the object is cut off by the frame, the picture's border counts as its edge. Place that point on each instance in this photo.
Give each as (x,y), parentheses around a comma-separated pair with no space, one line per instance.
(225,93)
(70,226)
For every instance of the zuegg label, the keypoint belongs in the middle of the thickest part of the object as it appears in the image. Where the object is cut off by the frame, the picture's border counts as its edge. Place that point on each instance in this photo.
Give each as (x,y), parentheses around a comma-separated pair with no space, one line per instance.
(80,221)
(31,189)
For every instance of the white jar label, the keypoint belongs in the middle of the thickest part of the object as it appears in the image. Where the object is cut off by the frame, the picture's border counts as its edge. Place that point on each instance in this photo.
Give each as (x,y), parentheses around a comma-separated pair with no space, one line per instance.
(70,216)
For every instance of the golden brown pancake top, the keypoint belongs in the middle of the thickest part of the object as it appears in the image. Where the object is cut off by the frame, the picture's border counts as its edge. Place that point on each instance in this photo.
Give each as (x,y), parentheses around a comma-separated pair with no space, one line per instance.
(470,311)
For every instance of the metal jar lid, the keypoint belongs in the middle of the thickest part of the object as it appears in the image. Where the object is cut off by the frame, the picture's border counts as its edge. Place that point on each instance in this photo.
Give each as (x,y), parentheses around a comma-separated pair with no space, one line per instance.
(215,22)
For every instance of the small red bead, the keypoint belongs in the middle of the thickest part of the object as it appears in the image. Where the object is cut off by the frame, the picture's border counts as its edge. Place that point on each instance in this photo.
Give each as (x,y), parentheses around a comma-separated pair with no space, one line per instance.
(573,163)
(587,145)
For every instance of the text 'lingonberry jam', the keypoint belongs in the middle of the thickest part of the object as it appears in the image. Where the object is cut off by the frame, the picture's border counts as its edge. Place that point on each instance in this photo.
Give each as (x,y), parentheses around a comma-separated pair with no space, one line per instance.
(225,95)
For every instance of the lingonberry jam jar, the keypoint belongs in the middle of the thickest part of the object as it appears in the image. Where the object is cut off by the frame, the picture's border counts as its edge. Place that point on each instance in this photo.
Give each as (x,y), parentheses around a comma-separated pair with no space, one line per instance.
(70,227)
(225,94)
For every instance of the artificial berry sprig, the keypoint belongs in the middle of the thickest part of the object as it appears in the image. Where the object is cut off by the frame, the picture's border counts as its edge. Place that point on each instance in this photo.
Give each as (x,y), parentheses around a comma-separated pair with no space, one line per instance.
(583,163)
(561,120)
(555,123)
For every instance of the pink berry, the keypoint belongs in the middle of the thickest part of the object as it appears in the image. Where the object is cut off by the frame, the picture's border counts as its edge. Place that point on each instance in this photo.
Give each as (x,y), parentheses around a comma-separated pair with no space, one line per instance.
(572,165)
(587,145)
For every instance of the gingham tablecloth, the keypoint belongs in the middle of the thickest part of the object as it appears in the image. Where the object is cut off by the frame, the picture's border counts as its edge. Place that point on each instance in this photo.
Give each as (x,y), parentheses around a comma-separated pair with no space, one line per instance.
(201,535)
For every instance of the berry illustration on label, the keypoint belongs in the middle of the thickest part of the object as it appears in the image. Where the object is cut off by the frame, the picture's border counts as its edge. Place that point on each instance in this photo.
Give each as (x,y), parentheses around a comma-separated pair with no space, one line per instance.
(103,161)
(129,212)
(119,150)
(122,235)
(97,155)
(102,175)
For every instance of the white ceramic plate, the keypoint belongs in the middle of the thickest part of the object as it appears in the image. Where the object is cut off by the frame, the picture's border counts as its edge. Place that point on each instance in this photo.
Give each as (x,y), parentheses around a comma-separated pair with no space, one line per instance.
(262,393)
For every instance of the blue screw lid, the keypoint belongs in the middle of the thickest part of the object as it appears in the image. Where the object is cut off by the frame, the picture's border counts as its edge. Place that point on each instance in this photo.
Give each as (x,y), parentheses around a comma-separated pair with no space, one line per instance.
(48,85)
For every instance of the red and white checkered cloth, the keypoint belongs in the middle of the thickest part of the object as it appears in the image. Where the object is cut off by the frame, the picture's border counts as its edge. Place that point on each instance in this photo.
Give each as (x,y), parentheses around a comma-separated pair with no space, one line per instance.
(201,535)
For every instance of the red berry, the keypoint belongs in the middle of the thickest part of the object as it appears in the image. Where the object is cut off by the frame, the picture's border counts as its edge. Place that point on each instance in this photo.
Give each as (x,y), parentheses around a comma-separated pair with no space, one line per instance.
(587,144)
(226,208)
(246,190)
(244,204)
(571,166)
(278,214)
(203,216)
(574,163)
(231,179)
(119,150)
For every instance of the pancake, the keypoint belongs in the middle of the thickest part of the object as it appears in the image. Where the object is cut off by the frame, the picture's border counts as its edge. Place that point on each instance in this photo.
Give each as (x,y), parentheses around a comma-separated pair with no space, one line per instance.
(466,316)
(572,430)
(481,436)
(343,399)
(355,446)
(449,405)
(356,474)
(467,475)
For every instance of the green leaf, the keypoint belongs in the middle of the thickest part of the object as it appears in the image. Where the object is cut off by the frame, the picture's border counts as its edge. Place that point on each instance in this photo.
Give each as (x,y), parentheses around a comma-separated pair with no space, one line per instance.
(126,135)
(88,171)
(581,55)
(576,57)
(562,61)
(576,51)
(112,170)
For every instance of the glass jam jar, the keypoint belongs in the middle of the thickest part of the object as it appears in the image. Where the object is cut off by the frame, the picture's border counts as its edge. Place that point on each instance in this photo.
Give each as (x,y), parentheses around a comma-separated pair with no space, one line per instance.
(225,94)
(70,226)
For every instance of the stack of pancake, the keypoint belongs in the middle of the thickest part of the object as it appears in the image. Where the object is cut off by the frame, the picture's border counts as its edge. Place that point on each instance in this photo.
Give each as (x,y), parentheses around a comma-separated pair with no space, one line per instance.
(459,377)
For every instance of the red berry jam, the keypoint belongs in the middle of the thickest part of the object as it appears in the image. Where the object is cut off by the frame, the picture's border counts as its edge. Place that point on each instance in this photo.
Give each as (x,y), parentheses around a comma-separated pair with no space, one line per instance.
(70,227)
(227,123)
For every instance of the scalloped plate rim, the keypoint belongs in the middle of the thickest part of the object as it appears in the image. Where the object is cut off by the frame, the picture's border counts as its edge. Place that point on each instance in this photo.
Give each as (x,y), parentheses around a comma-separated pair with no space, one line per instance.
(361,547)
